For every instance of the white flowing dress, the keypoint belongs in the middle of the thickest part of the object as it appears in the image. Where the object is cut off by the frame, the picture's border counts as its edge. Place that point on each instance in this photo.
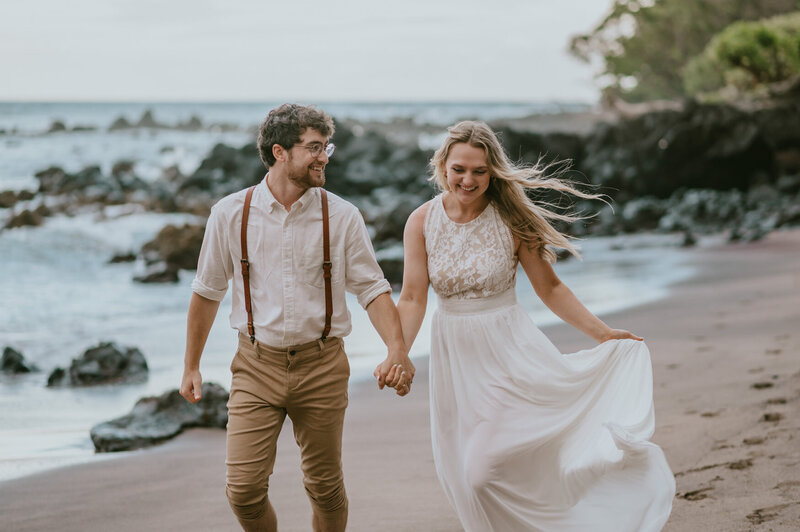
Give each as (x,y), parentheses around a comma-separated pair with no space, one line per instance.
(526,438)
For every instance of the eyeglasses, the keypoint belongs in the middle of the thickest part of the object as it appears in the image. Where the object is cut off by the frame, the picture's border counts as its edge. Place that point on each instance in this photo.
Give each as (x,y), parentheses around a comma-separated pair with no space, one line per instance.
(316,148)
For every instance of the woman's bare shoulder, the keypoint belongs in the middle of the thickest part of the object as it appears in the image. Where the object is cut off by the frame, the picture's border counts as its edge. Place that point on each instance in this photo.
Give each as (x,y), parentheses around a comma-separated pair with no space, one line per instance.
(416,220)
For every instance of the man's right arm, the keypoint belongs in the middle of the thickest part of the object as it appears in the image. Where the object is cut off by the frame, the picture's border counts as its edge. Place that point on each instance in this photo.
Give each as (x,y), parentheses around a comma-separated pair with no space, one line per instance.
(214,270)
(202,312)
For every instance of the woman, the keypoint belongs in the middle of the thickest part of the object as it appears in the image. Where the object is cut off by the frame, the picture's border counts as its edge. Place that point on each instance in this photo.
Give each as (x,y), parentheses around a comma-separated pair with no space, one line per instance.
(524,438)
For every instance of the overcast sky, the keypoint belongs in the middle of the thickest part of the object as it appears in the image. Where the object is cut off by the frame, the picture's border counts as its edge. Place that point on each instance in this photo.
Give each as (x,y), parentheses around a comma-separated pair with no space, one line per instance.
(358,50)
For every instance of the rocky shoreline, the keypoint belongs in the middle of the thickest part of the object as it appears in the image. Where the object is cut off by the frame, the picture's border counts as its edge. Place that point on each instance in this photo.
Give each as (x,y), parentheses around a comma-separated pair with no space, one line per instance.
(696,169)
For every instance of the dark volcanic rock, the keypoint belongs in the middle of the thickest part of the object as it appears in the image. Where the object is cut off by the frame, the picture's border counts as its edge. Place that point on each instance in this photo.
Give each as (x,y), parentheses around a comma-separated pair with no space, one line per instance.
(8,198)
(178,247)
(224,170)
(642,214)
(54,180)
(91,186)
(389,218)
(364,163)
(705,211)
(193,124)
(156,419)
(25,218)
(159,272)
(57,126)
(709,146)
(25,195)
(56,377)
(122,257)
(106,363)
(43,210)
(529,147)
(667,170)
(123,174)
(147,120)
(13,362)
(120,123)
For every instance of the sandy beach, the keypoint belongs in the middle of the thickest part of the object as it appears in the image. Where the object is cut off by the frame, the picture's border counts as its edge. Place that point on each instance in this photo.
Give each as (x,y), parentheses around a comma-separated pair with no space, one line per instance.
(725,348)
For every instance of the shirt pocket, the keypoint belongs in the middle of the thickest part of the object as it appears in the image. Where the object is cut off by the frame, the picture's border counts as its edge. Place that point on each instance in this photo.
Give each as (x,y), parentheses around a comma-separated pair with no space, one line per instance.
(311,269)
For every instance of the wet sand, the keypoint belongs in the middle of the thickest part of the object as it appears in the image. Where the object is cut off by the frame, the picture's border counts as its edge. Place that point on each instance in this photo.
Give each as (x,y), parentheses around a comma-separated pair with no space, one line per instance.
(726,360)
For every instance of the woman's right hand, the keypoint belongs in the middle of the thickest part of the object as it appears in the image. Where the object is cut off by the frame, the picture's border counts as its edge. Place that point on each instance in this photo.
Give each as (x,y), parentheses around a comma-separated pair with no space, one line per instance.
(620,334)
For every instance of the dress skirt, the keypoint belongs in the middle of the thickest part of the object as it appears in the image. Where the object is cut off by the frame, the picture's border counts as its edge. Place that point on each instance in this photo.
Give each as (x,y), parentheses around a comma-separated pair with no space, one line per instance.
(526,438)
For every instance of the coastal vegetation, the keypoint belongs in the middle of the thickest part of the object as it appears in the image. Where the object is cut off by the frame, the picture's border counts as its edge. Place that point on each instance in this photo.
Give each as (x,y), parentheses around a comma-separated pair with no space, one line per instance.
(644,47)
(745,59)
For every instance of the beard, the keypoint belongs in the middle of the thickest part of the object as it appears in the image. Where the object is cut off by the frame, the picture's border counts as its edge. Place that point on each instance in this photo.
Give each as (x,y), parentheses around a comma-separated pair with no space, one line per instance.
(303,179)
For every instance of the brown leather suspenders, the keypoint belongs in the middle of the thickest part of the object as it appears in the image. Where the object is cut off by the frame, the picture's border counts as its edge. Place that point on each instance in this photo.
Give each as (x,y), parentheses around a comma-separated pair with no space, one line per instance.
(326,265)
(246,266)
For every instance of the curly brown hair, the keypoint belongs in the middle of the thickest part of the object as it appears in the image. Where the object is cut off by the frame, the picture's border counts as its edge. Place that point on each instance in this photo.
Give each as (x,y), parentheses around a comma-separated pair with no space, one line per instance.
(285,124)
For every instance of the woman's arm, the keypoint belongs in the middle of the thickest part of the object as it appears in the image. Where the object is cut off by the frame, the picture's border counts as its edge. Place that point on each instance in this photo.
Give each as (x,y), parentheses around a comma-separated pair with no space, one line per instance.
(414,295)
(560,299)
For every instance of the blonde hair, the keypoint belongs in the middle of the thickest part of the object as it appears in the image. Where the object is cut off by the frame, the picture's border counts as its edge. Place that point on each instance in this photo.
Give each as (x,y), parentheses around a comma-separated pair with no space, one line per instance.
(527,219)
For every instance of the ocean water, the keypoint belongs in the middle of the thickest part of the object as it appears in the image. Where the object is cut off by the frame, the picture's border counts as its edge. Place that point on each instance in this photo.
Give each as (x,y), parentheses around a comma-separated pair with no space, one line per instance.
(59,296)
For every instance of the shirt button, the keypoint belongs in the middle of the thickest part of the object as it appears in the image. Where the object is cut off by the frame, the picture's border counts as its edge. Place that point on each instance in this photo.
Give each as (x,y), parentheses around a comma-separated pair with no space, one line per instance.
(292,352)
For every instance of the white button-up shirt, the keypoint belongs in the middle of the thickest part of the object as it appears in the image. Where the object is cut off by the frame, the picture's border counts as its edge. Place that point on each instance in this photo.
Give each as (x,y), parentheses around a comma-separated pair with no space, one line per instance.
(285,252)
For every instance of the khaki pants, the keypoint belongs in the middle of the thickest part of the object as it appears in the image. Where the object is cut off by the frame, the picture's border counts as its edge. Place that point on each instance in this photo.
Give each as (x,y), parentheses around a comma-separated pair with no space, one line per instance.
(309,384)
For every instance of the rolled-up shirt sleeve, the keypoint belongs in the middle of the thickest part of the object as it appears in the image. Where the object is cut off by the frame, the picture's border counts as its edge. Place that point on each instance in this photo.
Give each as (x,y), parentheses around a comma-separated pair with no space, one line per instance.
(215,266)
(363,276)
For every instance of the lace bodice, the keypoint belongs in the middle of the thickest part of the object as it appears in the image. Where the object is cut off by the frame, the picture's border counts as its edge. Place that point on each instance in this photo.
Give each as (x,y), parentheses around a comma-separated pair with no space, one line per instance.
(470,260)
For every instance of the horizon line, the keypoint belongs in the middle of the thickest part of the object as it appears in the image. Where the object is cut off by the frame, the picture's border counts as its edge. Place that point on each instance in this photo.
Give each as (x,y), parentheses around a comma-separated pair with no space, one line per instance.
(301,100)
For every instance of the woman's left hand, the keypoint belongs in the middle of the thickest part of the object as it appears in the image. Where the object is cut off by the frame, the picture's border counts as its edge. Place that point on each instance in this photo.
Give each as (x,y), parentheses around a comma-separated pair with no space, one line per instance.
(620,334)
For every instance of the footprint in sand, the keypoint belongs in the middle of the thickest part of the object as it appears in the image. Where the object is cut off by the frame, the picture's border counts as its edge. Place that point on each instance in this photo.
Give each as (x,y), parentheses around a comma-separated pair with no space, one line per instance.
(741,464)
(755,370)
(772,416)
(762,385)
(711,414)
(673,366)
(773,351)
(696,495)
(788,488)
(763,515)
(753,441)
(776,401)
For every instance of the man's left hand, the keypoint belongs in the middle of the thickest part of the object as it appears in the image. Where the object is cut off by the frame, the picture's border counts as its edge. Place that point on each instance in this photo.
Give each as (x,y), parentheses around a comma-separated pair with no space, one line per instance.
(398,375)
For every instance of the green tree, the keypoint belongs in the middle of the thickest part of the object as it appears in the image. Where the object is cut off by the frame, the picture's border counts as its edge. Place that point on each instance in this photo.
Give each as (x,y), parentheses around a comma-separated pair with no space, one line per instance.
(643,45)
(745,58)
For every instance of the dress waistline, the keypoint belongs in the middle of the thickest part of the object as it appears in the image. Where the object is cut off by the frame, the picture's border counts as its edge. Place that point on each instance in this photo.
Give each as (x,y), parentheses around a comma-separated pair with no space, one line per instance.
(477,305)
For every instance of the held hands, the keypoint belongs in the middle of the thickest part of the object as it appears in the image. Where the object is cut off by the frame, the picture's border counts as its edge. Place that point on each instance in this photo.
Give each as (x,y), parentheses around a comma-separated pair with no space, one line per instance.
(191,385)
(619,334)
(397,375)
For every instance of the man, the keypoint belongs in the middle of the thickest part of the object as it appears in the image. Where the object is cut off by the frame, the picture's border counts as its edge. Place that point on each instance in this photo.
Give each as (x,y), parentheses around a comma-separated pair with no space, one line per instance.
(288,362)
